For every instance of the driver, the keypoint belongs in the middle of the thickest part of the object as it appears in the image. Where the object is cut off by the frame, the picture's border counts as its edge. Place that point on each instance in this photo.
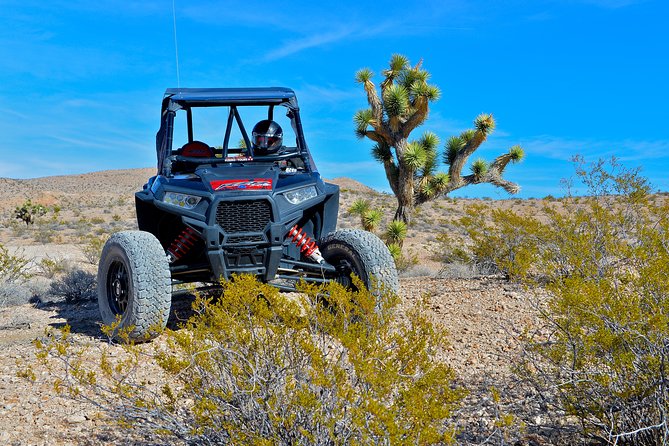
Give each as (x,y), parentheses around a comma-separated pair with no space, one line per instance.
(267,138)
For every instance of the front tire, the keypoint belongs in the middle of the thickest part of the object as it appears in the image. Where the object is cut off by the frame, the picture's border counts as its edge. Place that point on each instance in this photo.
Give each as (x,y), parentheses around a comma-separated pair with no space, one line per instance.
(363,254)
(134,283)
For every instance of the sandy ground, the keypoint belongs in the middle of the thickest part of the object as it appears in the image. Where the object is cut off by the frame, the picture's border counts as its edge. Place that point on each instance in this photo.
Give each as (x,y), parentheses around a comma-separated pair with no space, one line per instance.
(482,316)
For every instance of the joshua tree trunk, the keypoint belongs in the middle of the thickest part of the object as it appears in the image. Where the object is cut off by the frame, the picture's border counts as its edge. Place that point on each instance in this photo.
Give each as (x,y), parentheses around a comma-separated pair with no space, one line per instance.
(405,195)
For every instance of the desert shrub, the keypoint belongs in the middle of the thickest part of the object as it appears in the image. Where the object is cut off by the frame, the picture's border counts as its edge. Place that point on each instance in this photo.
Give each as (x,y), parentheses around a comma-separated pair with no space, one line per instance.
(254,366)
(405,261)
(606,356)
(92,248)
(604,260)
(451,248)
(14,272)
(44,234)
(14,293)
(77,286)
(13,267)
(50,267)
(501,240)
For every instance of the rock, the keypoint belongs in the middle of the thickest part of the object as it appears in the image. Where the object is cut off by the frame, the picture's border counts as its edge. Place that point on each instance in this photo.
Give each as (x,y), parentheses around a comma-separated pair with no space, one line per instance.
(75,419)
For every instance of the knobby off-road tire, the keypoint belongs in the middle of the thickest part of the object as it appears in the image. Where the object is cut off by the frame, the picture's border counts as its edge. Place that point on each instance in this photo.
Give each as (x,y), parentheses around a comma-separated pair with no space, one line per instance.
(134,282)
(365,255)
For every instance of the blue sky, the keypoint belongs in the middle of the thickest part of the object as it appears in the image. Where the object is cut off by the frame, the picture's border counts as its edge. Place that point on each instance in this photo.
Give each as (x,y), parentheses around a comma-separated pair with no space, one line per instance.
(81,81)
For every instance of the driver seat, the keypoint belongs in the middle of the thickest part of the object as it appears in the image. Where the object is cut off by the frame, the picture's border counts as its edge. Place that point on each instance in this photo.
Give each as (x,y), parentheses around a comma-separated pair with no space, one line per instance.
(196,149)
(192,149)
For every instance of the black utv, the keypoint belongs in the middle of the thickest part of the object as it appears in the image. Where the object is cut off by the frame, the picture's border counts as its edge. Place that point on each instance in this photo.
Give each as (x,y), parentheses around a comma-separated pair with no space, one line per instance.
(226,201)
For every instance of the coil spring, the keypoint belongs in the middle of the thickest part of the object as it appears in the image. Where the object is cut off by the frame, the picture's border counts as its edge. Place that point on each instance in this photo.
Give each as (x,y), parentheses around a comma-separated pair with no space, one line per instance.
(306,245)
(182,244)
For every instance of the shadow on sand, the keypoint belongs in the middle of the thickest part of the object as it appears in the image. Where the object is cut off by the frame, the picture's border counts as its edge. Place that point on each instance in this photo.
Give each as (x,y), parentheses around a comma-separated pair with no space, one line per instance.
(85,318)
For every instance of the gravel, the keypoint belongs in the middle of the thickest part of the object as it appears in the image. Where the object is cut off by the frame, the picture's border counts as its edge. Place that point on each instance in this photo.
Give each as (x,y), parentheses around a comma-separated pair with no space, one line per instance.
(483,318)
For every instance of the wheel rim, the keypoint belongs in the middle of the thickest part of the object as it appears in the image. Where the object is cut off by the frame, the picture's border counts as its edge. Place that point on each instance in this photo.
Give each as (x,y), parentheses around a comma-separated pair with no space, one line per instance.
(344,269)
(118,287)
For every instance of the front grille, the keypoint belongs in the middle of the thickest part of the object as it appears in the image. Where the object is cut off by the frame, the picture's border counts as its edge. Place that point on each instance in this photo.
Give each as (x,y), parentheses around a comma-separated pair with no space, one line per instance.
(245,239)
(243,216)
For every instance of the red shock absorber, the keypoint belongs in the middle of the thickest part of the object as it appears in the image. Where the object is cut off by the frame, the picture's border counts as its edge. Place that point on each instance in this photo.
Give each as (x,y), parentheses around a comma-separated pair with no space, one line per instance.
(307,246)
(182,244)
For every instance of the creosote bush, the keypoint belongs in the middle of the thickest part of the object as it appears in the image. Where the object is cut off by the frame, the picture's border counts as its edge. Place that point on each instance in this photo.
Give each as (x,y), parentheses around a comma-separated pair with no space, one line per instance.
(501,241)
(92,248)
(14,273)
(604,259)
(13,267)
(254,366)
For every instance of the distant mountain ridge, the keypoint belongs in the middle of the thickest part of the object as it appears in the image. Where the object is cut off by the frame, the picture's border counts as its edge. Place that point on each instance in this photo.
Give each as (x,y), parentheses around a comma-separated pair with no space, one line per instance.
(106,183)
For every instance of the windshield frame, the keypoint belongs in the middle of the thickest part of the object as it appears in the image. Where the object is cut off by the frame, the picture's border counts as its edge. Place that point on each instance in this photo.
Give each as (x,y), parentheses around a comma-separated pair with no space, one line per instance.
(187,99)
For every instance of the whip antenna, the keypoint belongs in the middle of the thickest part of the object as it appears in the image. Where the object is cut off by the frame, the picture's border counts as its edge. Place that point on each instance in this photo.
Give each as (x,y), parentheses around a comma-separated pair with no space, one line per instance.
(176,47)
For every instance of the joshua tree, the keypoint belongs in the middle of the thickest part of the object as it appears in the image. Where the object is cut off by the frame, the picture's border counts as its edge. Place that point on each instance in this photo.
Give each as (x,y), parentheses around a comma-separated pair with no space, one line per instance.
(411,166)
(29,212)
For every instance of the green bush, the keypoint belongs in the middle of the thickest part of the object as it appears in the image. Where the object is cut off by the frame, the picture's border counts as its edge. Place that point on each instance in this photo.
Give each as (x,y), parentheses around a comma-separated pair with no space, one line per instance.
(607,266)
(604,260)
(12,267)
(14,272)
(501,240)
(50,267)
(92,248)
(327,366)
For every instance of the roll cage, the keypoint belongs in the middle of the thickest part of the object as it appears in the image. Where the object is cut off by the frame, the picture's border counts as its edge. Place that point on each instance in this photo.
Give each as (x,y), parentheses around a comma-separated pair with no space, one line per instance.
(188,98)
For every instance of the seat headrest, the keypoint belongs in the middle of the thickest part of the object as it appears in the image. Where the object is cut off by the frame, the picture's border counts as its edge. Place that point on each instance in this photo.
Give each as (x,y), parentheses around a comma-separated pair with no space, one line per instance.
(196,149)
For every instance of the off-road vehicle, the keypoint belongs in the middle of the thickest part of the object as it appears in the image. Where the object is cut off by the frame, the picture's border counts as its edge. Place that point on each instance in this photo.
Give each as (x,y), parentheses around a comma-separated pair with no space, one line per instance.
(235,204)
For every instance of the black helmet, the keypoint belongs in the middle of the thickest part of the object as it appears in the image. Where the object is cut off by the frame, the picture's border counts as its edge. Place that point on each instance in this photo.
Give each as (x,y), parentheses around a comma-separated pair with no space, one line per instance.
(267,137)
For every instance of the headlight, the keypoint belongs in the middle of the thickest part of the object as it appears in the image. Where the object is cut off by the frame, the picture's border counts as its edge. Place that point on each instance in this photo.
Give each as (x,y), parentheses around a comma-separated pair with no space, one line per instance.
(299,195)
(182,200)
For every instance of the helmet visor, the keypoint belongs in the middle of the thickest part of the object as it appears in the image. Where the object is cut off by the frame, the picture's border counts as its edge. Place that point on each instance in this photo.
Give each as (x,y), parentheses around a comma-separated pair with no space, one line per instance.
(265,141)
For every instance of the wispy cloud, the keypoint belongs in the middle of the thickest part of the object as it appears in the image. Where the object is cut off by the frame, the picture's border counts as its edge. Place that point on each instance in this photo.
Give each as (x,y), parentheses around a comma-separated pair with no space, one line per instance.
(295,46)
(330,96)
(340,33)
(9,111)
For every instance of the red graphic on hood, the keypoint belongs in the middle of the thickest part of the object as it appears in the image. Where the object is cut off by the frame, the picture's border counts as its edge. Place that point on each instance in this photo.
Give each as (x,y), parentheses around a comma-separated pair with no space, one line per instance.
(252,184)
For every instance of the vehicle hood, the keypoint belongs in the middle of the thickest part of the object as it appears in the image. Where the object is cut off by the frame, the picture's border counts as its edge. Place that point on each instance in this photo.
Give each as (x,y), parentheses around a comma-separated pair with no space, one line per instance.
(250,178)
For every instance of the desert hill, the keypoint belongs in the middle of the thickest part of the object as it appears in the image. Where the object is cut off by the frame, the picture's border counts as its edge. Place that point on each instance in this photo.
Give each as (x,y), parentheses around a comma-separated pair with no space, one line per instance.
(107,184)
